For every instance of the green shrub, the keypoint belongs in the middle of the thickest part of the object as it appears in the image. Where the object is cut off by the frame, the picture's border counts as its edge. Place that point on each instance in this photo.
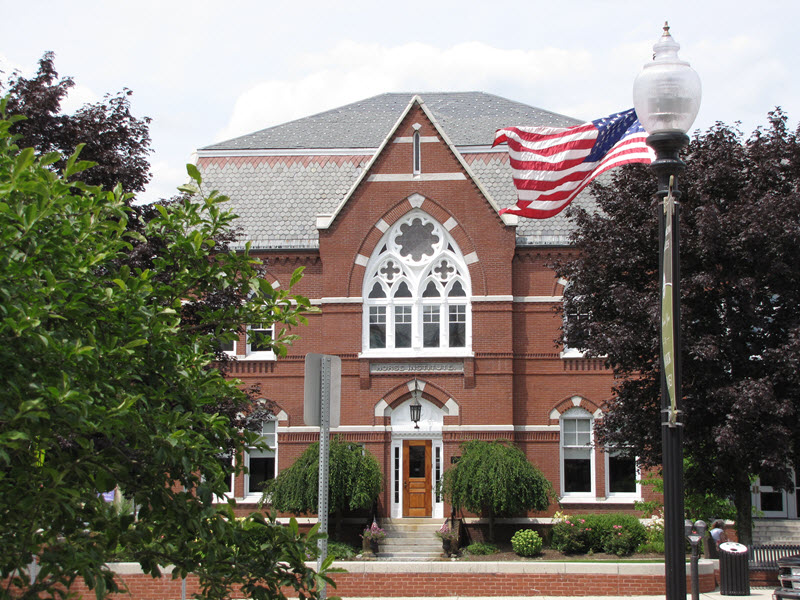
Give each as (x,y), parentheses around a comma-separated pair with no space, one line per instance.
(611,533)
(526,542)
(651,548)
(482,548)
(341,550)
(571,537)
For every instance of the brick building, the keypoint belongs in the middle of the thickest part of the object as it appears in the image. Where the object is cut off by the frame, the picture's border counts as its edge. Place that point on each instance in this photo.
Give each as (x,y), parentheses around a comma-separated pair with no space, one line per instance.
(426,293)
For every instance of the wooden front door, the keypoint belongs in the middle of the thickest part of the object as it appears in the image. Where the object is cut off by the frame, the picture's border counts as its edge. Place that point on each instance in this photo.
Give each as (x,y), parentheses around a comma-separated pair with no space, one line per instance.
(417,490)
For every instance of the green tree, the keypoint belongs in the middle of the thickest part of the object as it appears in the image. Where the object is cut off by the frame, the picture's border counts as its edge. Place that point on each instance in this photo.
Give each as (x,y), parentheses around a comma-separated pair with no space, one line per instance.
(740,327)
(118,145)
(105,385)
(355,481)
(496,479)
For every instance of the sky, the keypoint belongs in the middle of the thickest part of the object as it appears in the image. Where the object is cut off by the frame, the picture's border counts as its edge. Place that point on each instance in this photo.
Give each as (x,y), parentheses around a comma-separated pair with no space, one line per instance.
(209,71)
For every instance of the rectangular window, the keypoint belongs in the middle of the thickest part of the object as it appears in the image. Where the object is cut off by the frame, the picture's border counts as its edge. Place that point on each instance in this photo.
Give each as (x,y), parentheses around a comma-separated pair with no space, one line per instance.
(576,455)
(430,327)
(577,432)
(417,159)
(621,474)
(577,471)
(262,464)
(438,473)
(377,327)
(402,327)
(260,337)
(397,475)
(458,326)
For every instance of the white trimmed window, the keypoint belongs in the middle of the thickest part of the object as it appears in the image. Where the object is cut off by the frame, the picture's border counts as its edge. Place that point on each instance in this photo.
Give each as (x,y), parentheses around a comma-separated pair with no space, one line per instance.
(417,158)
(262,465)
(228,347)
(574,317)
(258,347)
(417,292)
(622,476)
(577,455)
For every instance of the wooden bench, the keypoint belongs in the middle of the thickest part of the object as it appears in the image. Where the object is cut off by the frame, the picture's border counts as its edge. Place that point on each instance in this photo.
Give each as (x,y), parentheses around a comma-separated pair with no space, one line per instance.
(765,557)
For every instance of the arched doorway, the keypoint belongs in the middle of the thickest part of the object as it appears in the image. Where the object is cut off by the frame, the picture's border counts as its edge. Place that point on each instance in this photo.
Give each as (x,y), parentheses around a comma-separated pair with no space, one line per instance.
(416,461)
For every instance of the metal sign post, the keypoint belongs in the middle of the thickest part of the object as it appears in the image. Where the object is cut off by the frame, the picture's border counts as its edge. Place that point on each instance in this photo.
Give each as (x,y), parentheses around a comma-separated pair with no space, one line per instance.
(324,464)
(322,402)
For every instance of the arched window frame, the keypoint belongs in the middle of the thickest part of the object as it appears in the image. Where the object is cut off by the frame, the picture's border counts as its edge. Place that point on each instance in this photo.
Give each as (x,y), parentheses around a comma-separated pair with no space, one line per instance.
(389,266)
(576,444)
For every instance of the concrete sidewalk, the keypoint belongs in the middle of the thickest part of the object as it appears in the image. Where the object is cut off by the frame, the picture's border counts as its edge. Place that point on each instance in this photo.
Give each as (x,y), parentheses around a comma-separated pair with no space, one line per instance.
(755,594)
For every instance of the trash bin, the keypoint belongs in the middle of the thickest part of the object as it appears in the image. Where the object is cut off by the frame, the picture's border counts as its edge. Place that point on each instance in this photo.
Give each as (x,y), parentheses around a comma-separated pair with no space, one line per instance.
(734,571)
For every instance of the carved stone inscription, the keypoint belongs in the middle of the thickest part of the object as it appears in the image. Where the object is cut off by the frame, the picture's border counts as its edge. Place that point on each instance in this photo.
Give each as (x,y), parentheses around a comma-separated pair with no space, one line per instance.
(417,367)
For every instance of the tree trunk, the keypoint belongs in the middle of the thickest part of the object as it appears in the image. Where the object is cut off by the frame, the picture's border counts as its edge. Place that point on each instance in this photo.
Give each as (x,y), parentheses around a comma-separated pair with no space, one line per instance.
(491,526)
(744,510)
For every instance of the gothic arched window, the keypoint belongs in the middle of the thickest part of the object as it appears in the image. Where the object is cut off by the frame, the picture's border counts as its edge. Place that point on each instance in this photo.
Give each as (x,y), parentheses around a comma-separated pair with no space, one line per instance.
(417,292)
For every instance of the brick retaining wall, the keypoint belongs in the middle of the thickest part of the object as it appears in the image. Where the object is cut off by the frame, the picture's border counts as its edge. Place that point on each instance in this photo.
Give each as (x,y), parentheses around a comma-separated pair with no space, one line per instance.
(446,579)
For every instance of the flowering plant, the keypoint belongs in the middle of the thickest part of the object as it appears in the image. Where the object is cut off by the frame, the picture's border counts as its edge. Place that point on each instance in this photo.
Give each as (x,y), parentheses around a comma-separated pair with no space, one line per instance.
(448,533)
(374,533)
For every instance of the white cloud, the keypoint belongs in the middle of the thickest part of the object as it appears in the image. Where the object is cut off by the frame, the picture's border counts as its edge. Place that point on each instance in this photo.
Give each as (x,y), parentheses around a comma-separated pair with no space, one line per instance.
(351,71)
(78,96)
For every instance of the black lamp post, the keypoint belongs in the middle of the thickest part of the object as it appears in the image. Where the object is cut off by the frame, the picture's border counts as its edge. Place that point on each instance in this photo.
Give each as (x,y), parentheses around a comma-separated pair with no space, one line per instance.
(415,408)
(666,96)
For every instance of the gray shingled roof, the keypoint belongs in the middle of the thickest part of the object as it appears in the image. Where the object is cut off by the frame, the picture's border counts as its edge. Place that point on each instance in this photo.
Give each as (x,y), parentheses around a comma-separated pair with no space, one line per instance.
(469,118)
(278,198)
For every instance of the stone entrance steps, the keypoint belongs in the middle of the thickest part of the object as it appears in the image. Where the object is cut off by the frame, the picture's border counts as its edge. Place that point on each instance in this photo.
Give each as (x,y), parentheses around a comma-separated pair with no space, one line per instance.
(411,539)
(776,531)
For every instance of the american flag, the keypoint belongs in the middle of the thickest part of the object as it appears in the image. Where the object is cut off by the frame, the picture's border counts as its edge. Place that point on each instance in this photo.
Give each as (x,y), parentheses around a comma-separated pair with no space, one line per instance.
(551,165)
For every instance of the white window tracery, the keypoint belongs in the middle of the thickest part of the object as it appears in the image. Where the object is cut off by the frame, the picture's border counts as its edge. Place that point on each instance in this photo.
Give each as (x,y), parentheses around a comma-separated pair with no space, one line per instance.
(417,292)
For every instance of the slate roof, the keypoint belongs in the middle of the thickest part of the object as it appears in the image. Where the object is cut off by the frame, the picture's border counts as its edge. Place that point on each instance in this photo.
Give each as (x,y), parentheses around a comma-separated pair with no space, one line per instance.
(278,194)
(469,118)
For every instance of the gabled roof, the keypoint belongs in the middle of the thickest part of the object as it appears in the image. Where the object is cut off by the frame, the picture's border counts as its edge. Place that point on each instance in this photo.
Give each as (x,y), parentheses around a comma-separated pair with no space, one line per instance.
(282,178)
(469,118)
(416,101)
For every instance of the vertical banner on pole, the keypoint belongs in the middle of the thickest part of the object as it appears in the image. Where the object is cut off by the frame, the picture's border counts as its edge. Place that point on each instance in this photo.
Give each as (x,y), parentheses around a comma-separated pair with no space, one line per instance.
(322,390)
(667,312)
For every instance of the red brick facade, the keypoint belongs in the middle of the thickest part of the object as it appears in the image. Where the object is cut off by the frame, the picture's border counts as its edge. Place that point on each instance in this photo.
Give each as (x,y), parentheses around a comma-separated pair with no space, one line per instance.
(510,382)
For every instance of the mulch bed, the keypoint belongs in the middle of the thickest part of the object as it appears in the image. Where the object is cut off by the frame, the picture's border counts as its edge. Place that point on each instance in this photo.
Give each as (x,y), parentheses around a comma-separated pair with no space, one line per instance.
(507,554)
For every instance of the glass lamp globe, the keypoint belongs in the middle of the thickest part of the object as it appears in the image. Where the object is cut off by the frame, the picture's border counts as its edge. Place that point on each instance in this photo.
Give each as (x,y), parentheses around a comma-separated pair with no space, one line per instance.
(666,93)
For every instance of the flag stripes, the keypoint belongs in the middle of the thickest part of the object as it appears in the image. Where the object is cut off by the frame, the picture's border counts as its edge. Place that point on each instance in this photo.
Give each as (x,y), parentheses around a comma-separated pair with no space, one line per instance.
(551,165)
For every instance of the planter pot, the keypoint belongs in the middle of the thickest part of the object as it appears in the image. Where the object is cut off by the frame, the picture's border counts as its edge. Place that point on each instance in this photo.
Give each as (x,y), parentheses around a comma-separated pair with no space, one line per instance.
(450,547)
(366,546)
(373,544)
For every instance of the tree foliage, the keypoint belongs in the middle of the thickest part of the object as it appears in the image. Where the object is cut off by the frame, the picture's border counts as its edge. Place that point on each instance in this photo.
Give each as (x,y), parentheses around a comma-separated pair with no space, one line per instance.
(106,385)
(355,480)
(115,140)
(740,327)
(495,478)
